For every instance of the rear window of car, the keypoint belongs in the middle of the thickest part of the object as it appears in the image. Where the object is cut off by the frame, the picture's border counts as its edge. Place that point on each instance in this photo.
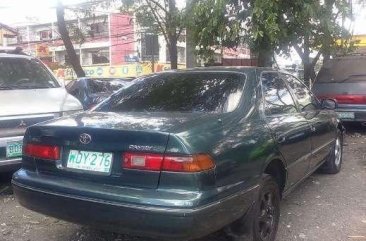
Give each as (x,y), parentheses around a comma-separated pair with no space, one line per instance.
(343,70)
(18,73)
(182,92)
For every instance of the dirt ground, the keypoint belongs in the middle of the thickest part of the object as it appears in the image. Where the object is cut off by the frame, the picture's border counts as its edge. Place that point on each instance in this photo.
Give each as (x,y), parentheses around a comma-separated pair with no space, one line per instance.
(323,208)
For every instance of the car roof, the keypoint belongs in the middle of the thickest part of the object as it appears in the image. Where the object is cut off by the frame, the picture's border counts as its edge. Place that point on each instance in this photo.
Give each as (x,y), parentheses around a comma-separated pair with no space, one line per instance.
(18,56)
(228,68)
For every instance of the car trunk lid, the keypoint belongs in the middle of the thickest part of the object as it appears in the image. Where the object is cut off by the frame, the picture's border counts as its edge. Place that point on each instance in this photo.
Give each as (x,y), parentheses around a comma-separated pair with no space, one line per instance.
(103,142)
(108,133)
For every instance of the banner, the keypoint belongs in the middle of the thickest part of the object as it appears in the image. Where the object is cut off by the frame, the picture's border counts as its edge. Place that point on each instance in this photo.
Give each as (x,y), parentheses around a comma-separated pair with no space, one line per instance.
(118,71)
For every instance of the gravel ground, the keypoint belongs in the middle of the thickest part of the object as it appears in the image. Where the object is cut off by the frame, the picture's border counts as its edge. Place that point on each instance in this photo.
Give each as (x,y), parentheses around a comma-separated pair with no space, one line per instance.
(323,208)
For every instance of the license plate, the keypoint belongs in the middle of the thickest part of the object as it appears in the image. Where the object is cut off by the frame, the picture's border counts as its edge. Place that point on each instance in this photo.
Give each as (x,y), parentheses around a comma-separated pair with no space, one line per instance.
(14,149)
(90,161)
(346,115)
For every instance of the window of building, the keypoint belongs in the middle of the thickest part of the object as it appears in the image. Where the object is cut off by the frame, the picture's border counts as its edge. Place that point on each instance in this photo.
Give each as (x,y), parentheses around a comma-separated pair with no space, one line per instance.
(100,56)
(98,29)
(45,34)
(149,47)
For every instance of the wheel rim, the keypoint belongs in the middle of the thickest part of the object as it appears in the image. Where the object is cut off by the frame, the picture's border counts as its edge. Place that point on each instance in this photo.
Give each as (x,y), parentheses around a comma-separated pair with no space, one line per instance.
(338,152)
(267,216)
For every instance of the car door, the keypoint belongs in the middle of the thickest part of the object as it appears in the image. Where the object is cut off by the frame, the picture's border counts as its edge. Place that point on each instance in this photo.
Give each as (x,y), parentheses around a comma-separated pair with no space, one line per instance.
(289,127)
(321,121)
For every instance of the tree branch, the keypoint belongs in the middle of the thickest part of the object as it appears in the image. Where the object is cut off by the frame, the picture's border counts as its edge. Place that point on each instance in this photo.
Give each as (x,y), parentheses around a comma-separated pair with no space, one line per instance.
(158,5)
(161,25)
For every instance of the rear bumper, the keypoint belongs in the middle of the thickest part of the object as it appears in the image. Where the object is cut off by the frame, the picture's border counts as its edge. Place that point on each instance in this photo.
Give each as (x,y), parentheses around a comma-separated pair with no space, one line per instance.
(140,220)
(10,165)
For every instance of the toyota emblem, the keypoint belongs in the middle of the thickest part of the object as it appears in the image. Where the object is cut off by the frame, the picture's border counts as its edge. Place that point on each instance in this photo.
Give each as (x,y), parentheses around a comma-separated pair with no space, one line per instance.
(85,138)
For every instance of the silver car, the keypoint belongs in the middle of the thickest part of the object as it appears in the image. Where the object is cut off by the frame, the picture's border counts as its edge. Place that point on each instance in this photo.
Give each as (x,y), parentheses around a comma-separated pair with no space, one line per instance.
(29,94)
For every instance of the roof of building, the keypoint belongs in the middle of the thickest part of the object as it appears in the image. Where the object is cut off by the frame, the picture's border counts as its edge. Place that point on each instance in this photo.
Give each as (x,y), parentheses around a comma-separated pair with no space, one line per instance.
(13,30)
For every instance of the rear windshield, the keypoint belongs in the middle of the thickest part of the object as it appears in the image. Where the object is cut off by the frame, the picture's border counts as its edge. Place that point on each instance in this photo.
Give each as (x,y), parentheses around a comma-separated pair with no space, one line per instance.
(182,92)
(343,70)
(102,86)
(16,73)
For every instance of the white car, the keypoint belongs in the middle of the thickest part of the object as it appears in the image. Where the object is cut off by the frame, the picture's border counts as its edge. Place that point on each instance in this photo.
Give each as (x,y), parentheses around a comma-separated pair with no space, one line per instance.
(29,94)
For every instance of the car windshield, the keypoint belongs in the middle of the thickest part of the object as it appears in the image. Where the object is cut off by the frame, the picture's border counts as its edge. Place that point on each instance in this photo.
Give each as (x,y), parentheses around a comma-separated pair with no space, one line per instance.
(343,70)
(182,92)
(19,73)
(101,86)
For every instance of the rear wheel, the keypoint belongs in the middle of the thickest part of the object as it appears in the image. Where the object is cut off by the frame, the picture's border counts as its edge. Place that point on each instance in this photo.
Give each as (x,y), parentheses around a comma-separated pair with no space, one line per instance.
(333,163)
(262,222)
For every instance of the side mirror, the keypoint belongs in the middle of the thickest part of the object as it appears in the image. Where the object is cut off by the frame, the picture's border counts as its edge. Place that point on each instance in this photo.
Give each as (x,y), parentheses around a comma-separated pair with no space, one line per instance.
(329,104)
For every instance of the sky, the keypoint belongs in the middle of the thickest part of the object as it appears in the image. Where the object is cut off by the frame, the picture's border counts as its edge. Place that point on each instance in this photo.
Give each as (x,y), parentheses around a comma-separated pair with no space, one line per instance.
(13,12)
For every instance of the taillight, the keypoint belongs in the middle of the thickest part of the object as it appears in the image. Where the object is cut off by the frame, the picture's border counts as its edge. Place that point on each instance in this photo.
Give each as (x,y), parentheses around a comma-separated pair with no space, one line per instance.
(347,99)
(142,161)
(158,162)
(42,151)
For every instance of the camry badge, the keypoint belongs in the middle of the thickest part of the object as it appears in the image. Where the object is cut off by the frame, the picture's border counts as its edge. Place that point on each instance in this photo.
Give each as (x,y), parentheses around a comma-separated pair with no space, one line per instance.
(85,138)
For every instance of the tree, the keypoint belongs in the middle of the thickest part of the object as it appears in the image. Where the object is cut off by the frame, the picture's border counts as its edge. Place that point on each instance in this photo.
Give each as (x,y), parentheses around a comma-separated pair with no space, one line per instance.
(72,57)
(211,28)
(316,27)
(270,26)
(161,17)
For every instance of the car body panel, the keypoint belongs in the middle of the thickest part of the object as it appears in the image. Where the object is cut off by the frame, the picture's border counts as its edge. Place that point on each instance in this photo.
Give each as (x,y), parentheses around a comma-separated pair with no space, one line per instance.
(36,101)
(242,143)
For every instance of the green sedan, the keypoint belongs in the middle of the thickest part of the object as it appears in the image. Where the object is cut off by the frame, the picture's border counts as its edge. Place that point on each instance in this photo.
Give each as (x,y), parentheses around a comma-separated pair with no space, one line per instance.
(181,154)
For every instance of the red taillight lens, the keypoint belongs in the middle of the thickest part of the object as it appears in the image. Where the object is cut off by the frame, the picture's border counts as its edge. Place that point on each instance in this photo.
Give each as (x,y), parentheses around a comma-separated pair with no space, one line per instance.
(158,162)
(42,151)
(347,99)
(142,161)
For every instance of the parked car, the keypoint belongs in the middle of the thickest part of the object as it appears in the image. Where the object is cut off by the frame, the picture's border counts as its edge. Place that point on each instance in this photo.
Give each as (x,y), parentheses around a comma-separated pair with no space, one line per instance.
(29,94)
(344,80)
(178,155)
(91,91)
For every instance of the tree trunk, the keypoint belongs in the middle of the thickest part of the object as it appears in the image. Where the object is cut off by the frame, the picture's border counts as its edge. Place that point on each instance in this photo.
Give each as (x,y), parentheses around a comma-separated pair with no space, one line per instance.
(173,53)
(265,58)
(72,57)
(191,58)
(306,61)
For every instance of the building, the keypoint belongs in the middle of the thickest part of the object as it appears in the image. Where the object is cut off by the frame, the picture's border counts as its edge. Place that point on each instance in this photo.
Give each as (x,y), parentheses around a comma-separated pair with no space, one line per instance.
(360,43)
(8,35)
(108,45)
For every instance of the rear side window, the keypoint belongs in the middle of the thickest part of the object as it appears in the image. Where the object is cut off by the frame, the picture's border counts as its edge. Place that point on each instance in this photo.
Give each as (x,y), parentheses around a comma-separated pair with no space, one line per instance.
(18,73)
(277,97)
(182,92)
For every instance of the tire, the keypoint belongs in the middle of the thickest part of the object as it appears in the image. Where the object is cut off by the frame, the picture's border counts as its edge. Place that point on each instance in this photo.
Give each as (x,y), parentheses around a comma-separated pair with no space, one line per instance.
(261,222)
(333,164)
